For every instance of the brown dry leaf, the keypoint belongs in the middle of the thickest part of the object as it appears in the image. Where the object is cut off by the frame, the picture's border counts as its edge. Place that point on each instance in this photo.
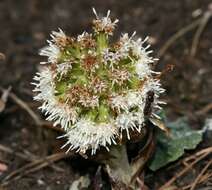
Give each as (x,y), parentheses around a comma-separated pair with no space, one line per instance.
(4,98)
(161,126)
(143,156)
(2,56)
(82,182)
(2,106)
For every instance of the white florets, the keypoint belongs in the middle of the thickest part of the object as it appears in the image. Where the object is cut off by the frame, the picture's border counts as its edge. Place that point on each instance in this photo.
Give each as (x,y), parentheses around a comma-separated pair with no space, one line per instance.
(63,68)
(44,86)
(87,135)
(130,121)
(104,23)
(51,51)
(142,69)
(95,92)
(57,112)
(89,101)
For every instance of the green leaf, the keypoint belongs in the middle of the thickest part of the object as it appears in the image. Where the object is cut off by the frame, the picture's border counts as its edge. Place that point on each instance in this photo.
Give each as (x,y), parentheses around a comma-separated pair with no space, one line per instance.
(169,149)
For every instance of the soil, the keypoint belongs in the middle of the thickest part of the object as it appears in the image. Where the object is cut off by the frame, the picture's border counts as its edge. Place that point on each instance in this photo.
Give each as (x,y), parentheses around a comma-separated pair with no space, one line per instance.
(25,26)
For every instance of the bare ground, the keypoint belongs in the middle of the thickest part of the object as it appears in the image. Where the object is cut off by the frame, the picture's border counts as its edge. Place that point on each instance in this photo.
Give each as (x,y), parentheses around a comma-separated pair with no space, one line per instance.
(26,24)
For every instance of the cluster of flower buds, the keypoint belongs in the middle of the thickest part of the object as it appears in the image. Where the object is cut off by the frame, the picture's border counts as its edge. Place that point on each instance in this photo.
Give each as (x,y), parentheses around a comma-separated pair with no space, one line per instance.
(97,90)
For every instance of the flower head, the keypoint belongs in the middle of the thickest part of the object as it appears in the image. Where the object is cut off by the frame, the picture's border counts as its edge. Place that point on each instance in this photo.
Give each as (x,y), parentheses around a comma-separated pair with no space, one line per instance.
(96,90)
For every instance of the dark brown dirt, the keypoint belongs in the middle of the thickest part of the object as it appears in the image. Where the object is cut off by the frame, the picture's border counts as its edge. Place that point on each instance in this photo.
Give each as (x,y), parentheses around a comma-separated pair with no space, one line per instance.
(26,24)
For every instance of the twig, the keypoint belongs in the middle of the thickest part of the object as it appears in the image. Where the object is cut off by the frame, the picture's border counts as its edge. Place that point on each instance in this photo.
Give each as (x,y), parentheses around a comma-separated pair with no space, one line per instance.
(36,119)
(23,105)
(202,22)
(205,18)
(177,35)
(33,166)
(200,175)
(14,108)
(203,151)
(29,156)
(49,125)
(203,179)
(10,151)
(185,161)
(204,110)
(186,169)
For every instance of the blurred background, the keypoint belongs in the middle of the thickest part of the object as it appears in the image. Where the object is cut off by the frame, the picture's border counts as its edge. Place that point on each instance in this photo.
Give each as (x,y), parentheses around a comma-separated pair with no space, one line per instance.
(180,34)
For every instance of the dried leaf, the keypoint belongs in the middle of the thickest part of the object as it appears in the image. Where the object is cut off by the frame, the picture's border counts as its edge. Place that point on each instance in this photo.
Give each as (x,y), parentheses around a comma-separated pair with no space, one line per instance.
(2,56)
(82,183)
(2,106)
(161,125)
(4,98)
(144,154)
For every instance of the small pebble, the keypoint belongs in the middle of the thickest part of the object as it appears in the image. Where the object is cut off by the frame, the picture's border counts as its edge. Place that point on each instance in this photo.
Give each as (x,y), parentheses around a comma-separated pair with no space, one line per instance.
(3,168)
(40,182)
(196,13)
